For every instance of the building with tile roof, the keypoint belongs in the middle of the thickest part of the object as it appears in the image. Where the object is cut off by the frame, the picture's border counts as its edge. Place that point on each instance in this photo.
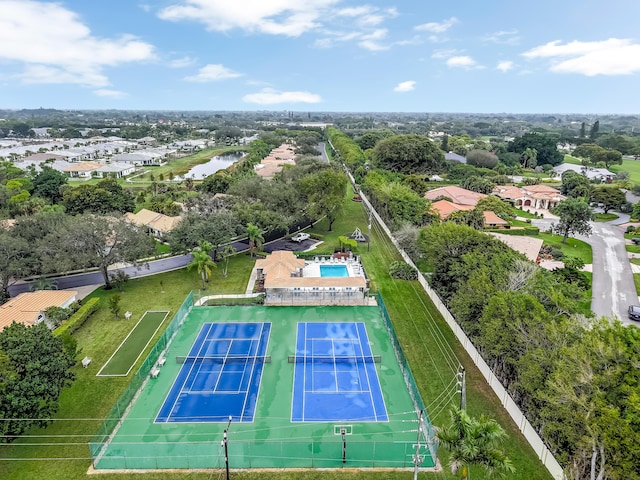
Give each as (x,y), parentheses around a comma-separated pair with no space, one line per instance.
(289,280)
(159,225)
(533,196)
(458,195)
(28,308)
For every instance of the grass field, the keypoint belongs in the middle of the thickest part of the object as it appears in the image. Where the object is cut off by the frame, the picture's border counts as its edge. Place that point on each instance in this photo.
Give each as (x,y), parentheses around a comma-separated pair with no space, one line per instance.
(569,159)
(130,350)
(631,166)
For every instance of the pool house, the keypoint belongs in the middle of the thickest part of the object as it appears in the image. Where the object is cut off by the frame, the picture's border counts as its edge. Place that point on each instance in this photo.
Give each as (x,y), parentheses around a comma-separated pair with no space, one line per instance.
(324,280)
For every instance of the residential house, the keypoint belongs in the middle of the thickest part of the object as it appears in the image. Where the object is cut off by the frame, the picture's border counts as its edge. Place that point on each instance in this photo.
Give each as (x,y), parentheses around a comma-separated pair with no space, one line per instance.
(29,308)
(83,170)
(591,173)
(147,142)
(539,197)
(115,170)
(139,158)
(288,280)
(459,196)
(444,208)
(158,224)
(275,161)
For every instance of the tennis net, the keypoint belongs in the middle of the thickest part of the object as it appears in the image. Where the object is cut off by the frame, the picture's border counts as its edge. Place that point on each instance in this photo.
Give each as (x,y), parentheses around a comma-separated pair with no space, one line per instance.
(220,359)
(342,359)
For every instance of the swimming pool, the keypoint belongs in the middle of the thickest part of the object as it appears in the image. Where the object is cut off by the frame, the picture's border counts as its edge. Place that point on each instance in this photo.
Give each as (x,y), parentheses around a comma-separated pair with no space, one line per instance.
(334,271)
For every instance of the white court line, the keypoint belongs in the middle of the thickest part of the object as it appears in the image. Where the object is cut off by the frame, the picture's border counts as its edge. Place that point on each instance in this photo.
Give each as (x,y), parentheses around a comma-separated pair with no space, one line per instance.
(253,367)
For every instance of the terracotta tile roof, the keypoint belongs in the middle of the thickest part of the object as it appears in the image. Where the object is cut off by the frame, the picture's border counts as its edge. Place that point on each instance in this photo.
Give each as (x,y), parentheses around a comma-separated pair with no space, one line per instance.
(444,208)
(26,307)
(540,189)
(490,218)
(157,221)
(508,191)
(457,195)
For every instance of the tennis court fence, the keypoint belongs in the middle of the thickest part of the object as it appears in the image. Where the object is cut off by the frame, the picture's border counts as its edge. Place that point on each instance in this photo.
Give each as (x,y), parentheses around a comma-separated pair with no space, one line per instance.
(113,419)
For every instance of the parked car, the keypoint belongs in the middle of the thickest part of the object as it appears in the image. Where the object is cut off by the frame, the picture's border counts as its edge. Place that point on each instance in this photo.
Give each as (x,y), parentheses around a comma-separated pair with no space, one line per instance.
(634,312)
(300,237)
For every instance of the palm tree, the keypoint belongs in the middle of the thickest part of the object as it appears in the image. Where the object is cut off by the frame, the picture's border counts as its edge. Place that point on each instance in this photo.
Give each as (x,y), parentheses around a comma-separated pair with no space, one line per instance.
(43,283)
(472,441)
(256,240)
(203,263)
(227,251)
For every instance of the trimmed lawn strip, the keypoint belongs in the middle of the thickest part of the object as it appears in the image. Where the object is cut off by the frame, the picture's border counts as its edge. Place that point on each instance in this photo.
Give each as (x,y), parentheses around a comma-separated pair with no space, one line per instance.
(636,281)
(132,346)
(631,166)
(605,217)
(569,159)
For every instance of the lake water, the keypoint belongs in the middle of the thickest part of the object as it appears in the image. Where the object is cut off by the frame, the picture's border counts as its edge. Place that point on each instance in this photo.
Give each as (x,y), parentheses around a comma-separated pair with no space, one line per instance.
(219,162)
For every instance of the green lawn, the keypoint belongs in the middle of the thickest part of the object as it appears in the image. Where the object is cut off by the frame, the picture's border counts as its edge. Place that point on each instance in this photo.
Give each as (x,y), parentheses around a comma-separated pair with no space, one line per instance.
(524,214)
(573,247)
(423,334)
(574,160)
(633,248)
(605,217)
(631,166)
(131,348)
(636,280)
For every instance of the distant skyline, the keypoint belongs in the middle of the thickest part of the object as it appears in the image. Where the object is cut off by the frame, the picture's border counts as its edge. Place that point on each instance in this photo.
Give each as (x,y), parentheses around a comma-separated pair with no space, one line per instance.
(322,55)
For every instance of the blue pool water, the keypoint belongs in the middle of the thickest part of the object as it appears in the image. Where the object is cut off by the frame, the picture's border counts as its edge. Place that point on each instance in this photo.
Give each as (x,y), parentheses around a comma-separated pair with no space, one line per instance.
(333,271)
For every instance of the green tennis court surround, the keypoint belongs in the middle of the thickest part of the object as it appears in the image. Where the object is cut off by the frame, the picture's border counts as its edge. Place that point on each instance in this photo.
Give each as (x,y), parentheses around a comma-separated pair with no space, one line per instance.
(131,439)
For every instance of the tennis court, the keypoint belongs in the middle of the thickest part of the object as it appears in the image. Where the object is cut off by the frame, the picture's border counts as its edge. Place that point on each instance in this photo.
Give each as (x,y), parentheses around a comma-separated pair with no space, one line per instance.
(220,377)
(332,412)
(335,377)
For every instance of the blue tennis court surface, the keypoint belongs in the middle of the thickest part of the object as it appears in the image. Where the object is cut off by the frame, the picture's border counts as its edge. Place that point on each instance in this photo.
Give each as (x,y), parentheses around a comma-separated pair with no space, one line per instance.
(220,376)
(335,378)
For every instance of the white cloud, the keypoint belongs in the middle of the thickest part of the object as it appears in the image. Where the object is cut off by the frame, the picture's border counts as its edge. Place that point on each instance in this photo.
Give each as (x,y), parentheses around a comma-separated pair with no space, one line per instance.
(436,27)
(56,47)
(269,96)
(407,86)
(182,62)
(213,73)
(614,56)
(282,17)
(505,65)
(371,40)
(507,37)
(462,61)
(104,92)
(450,52)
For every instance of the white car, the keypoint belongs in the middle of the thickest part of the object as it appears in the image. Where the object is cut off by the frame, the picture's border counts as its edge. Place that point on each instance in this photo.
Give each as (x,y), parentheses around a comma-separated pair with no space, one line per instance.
(300,237)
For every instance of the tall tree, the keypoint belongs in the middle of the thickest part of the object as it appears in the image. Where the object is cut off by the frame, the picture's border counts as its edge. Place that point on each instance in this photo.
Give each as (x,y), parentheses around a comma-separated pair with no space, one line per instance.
(408,154)
(472,441)
(254,233)
(16,261)
(49,183)
(609,197)
(595,128)
(226,253)
(93,241)
(575,216)
(325,192)
(34,368)
(545,146)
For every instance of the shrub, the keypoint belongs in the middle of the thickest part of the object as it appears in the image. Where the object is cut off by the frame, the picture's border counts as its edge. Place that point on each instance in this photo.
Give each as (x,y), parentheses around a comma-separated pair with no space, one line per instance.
(403,270)
(556,253)
(77,319)
(631,229)
(531,231)
(316,236)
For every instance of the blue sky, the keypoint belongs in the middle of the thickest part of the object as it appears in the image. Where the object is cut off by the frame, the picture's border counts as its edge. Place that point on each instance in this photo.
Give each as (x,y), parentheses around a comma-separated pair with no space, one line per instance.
(497,56)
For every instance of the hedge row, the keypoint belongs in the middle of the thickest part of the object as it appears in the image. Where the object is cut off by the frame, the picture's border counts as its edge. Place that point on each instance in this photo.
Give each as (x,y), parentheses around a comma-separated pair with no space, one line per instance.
(76,320)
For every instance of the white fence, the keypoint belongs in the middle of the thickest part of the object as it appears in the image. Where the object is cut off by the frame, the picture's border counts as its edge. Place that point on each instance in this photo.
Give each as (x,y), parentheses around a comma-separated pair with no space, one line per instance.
(544,454)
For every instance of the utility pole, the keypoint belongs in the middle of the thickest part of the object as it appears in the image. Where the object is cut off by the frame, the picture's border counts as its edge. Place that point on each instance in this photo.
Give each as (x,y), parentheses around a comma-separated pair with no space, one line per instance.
(225,442)
(417,458)
(462,383)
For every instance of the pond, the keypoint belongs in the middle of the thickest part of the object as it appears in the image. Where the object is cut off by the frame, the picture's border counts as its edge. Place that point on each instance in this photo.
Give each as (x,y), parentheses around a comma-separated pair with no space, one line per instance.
(219,162)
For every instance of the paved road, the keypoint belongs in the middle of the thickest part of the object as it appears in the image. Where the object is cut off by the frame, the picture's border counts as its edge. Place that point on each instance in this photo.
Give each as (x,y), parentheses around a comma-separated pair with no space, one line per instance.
(613,286)
(323,152)
(154,267)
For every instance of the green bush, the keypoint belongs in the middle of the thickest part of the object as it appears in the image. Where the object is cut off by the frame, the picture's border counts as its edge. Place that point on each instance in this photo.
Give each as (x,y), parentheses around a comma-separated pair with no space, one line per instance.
(316,236)
(631,229)
(77,319)
(531,231)
(556,253)
(403,271)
